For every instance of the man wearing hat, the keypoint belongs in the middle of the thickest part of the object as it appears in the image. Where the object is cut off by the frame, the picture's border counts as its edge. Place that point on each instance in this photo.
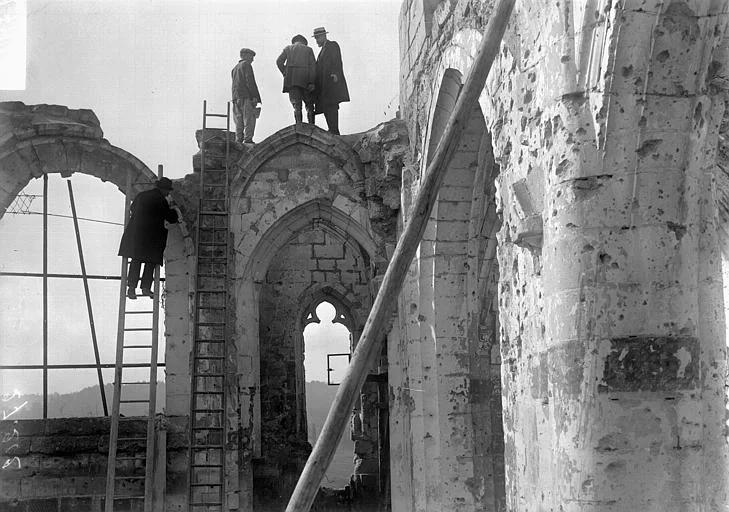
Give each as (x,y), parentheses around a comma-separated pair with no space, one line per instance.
(331,86)
(145,235)
(245,97)
(298,67)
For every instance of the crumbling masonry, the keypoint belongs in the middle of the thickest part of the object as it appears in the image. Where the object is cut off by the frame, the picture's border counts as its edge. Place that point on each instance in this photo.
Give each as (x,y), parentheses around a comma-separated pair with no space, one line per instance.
(560,341)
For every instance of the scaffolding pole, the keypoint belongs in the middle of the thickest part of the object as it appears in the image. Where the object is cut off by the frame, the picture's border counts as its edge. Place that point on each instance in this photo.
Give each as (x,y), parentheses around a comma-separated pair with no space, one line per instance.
(373,333)
(45,295)
(88,298)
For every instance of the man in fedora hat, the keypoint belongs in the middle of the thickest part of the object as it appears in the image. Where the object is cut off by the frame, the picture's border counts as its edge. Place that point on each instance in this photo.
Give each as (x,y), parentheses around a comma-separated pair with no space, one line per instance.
(145,235)
(298,67)
(245,97)
(331,86)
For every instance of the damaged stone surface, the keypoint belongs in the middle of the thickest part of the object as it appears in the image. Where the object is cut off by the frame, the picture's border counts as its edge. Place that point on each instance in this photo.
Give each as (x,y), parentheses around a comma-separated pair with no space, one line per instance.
(560,339)
(604,121)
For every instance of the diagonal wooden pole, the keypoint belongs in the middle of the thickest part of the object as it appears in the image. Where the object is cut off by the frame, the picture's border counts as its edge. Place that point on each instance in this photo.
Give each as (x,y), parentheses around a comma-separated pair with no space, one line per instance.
(372,335)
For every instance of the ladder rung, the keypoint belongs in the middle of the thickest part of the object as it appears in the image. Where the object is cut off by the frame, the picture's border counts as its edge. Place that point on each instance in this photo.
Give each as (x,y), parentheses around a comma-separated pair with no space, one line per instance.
(206,428)
(133,401)
(209,341)
(207,446)
(206,485)
(132,458)
(138,328)
(139,383)
(224,258)
(132,439)
(208,410)
(129,478)
(216,170)
(218,466)
(206,504)
(208,114)
(137,346)
(137,312)
(214,213)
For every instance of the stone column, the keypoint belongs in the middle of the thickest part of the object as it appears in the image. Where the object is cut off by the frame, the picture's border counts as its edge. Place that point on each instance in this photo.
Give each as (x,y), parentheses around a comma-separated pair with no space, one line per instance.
(635,348)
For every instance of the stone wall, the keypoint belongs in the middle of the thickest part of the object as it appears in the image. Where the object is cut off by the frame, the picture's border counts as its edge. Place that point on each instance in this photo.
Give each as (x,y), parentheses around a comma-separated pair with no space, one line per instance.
(58,465)
(603,118)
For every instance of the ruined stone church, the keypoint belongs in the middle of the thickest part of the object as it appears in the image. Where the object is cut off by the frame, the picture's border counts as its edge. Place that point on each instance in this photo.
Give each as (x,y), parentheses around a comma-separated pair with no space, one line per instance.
(559,342)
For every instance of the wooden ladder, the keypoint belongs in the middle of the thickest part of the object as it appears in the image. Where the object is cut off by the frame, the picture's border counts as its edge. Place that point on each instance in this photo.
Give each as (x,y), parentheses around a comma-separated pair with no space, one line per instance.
(123,474)
(208,400)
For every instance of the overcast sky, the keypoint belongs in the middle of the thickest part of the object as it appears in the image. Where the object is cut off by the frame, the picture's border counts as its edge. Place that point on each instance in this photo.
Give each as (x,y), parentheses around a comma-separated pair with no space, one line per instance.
(144,67)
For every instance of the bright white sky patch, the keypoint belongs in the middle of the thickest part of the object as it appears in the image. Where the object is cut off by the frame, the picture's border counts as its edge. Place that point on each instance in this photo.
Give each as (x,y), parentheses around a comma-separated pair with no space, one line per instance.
(12,44)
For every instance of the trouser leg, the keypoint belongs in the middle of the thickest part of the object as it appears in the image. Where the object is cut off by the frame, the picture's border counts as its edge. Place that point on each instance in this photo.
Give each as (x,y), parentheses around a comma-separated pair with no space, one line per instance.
(238,118)
(331,114)
(249,120)
(309,102)
(295,97)
(133,273)
(148,276)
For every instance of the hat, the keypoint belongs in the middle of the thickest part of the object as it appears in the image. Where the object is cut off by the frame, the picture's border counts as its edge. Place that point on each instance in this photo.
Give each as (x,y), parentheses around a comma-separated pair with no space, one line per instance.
(163,183)
(299,38)
(319,31)
(243,51)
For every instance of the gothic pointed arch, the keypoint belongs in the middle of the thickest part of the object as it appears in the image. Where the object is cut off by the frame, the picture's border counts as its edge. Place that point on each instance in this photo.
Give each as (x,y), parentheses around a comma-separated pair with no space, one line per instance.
(334,147)
(318,212)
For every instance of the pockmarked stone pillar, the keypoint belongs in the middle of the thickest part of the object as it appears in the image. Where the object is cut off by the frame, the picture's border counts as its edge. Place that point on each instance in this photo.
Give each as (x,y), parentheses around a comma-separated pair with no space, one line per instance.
(635,347)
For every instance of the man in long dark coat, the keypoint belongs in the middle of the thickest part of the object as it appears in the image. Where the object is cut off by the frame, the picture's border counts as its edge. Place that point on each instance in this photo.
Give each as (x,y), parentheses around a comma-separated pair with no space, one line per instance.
(331,86)
(298,67)
(145,235)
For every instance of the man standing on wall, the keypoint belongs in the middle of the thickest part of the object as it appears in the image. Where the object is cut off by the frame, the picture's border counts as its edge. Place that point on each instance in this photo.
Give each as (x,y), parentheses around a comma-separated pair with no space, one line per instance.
(331,86)
(298,67)
(145,236)
(245,97)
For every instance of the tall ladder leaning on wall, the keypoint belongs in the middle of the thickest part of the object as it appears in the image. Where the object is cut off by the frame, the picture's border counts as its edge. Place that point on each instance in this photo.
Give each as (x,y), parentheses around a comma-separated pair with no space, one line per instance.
(123,474)
(207,405)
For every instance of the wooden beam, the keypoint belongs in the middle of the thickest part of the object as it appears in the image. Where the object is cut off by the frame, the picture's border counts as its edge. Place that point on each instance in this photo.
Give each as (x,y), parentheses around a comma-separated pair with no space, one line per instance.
(372,336)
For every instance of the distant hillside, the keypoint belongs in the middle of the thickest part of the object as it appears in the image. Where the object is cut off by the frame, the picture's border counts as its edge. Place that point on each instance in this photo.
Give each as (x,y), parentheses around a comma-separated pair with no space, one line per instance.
(85,403)
(319,398)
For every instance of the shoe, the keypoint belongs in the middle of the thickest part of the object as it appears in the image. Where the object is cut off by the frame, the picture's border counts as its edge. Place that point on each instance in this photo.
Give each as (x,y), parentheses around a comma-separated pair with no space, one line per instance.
(147,293)
(250,142)
(131,293)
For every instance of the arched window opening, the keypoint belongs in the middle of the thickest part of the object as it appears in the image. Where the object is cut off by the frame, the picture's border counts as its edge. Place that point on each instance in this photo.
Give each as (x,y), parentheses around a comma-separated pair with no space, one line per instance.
(72,386)
(327,343)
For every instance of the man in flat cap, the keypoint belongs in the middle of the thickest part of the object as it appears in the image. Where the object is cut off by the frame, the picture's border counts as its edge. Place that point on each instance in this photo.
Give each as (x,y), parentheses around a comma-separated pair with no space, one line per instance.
(298,67)
(245,97)
(145,236)
(331,86)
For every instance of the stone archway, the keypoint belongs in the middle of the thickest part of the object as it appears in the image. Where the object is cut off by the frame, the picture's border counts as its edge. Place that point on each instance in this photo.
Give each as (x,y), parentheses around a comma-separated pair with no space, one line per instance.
(313,251)
(43,139)
(451,331)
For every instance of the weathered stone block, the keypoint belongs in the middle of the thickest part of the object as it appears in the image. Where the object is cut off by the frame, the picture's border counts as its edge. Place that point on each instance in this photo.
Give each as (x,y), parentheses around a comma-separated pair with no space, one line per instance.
(651,363)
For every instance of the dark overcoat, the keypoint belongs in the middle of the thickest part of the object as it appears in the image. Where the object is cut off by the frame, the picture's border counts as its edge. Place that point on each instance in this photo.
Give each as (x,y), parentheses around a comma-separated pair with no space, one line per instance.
(329,62)
(298,66)
(145,235)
